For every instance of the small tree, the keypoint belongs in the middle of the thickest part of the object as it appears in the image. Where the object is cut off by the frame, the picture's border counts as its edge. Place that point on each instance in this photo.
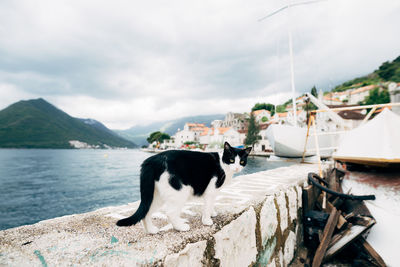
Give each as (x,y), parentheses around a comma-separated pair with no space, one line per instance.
(281,108)
(310,106)
(377,96)
(252,136)
(314,91)
(266,106)
(158,137)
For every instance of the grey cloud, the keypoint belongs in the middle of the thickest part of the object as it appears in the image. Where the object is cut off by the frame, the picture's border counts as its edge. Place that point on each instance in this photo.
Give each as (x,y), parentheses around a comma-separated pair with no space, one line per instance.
(188,51)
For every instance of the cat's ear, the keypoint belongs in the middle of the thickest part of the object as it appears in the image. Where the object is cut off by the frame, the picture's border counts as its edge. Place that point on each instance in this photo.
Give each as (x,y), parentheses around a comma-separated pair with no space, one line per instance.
(227,146)
(247,150)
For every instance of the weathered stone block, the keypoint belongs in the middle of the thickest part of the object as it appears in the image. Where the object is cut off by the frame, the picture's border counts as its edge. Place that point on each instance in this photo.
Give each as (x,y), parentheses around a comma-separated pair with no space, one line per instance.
(191,255)
(292,199)
(299,196)
(268,219)
(290,246)
(281,200)
(266,256)
(271,264)
(235,243)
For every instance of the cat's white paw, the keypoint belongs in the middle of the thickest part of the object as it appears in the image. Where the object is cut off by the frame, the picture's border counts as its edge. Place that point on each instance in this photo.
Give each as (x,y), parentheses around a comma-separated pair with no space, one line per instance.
(214,213)
(207,221)
(152,230)
(182,227)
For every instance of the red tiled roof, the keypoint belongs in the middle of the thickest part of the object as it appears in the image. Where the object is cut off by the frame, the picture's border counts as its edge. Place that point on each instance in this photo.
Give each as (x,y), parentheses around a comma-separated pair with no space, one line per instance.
(260,111)
(223,130)
(210,131)
(205,131)
(331,98)
(363,89)
(197,129)
(196,124)
(282,115)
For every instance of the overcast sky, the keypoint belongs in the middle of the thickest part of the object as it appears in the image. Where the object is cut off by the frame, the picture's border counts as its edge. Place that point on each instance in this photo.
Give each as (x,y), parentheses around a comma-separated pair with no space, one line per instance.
(133,62)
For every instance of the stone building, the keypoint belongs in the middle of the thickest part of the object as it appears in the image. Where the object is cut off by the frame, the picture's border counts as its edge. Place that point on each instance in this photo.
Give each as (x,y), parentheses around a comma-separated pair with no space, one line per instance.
(237,121)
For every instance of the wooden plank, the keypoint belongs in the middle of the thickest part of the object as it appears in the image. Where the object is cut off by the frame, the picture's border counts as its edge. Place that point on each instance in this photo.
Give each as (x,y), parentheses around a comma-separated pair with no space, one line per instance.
(326,237)
(310,195)
(372,252)
(329,207)
(317,146)
(347,237)
(333,181)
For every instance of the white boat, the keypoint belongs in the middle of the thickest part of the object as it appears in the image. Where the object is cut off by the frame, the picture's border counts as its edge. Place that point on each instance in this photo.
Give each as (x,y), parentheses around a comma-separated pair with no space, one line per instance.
(375,143)
(288,141)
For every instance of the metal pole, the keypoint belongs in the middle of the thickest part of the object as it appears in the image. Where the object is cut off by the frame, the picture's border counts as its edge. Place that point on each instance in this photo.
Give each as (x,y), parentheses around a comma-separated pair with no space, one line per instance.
(292,67)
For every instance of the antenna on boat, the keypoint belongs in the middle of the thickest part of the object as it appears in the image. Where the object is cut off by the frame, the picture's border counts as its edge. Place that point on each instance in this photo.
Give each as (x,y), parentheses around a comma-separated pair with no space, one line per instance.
(291,47)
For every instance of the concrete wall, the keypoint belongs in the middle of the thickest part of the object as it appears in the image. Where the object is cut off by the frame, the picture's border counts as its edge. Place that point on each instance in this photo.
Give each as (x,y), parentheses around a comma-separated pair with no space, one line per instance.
(258,224)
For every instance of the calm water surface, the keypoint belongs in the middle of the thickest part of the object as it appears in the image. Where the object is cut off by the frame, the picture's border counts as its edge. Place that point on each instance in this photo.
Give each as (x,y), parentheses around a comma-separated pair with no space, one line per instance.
(39,184)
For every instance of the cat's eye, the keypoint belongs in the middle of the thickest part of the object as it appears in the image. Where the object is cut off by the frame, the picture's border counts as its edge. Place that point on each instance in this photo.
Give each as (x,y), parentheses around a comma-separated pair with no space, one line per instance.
(242,162)
(232,160)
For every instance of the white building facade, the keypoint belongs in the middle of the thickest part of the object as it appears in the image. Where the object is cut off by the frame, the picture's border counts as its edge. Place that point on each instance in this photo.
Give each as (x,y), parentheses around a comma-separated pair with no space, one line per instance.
(190,133)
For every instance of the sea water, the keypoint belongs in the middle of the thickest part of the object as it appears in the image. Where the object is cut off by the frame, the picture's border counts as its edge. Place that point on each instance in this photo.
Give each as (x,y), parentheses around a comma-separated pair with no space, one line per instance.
(39,184)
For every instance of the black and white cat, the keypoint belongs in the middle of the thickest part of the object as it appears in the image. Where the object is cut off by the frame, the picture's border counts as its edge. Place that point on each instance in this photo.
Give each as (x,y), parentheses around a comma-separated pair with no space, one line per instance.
(168,179)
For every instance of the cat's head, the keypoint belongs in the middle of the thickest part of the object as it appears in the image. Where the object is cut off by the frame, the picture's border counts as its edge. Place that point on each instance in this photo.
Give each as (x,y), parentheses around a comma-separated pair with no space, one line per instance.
(235,158)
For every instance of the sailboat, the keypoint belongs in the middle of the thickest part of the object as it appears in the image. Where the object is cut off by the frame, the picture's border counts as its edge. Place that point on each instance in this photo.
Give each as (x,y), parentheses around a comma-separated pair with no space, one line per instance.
(289,140)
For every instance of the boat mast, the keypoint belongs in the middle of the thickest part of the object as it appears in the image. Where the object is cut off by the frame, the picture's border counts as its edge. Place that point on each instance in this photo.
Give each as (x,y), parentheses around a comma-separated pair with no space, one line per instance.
(291,48)
(292,67)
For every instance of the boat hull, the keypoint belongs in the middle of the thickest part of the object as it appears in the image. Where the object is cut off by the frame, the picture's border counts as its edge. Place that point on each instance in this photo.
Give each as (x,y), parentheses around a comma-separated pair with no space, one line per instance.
(289,141)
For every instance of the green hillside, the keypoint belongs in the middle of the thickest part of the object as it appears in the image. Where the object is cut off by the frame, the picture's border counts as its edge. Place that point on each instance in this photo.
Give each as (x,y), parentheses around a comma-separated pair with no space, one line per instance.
(387,71)
(38,124)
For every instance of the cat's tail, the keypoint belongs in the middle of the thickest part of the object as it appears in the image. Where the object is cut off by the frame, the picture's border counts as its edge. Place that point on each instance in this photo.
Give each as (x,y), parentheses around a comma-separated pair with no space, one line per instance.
(148,175)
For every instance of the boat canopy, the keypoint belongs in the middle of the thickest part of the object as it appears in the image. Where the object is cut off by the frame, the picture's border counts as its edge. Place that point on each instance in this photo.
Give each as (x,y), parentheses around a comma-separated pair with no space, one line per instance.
(377,141)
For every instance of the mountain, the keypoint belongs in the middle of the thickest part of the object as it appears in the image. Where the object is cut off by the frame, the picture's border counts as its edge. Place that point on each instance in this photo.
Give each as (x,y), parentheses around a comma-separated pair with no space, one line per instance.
(38,124)
(138,134)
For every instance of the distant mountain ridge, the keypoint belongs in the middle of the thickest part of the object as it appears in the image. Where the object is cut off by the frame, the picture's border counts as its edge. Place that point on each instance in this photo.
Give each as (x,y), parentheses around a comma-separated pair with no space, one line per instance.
(38,124)
(139,134)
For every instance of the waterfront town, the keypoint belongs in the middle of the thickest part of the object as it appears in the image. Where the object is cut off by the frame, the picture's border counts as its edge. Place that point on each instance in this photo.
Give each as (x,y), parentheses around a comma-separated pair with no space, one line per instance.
(234,127)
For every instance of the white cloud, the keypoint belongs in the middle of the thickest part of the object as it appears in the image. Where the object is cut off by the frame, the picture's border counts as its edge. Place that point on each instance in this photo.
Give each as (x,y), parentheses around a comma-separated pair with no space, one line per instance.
(10,93)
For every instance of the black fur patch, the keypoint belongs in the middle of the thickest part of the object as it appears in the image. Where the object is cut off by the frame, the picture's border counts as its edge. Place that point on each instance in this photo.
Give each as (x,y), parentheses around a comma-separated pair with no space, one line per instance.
(192,168)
